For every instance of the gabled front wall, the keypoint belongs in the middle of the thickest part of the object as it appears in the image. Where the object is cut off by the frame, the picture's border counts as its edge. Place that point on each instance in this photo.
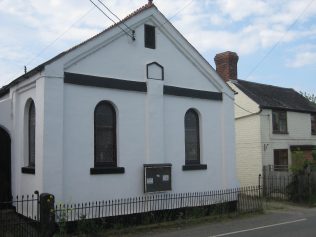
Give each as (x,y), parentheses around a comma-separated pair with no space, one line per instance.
(299,133)
(150,125)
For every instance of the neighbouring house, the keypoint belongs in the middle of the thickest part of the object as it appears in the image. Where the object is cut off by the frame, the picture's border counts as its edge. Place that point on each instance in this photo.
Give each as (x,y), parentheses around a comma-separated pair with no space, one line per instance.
(122,114)
(272,123)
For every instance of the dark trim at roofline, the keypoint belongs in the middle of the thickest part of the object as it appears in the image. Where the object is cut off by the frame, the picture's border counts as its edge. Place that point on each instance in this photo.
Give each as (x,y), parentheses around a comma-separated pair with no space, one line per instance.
(286,109)
(104,82)
(6,89)
(184,92)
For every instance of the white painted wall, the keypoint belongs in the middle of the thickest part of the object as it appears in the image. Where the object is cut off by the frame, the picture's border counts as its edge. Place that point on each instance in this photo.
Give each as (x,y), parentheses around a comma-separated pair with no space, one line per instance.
(299,133)
(150,126)
(255,141)
(248,138)
(248,149)
(20,94)
(244,106)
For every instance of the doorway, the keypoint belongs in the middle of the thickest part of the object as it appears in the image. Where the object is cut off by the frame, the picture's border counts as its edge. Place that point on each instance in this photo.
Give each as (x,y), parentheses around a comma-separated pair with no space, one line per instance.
(5,166)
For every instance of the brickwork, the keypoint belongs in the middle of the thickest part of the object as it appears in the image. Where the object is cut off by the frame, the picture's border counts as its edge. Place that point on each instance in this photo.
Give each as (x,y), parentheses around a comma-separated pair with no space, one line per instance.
(226,65)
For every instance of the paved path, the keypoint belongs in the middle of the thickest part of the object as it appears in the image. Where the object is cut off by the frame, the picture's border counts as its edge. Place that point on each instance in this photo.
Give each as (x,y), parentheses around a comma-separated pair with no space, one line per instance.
(292,221)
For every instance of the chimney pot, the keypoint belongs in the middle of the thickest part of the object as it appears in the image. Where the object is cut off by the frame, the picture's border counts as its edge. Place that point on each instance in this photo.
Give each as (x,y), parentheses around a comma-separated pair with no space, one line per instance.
(226,65)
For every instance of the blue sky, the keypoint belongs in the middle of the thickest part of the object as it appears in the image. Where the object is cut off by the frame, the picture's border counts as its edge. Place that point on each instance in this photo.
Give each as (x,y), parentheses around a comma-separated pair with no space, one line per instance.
(275,40)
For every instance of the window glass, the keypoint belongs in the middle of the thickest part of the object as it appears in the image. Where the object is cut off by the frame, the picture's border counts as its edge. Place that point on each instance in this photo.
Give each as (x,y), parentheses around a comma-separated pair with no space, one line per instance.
(105,134)
(313,123)
(281,160)
(192,143)
(150,37)
(32,135)
(279,121)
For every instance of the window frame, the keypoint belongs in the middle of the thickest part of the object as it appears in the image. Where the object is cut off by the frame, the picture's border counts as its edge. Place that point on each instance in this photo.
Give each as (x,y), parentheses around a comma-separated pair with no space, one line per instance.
(313,124)
(150,36)
(197,161)
(113,163)
(29,137)
(280,114)
(31,130)
(277,155)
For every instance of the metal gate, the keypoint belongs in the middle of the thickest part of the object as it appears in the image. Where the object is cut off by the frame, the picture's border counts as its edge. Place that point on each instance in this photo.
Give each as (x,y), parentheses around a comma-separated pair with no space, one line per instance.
(20,217)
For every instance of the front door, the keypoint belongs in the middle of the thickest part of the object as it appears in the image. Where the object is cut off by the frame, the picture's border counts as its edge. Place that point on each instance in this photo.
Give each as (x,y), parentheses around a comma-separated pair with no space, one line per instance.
(5,166)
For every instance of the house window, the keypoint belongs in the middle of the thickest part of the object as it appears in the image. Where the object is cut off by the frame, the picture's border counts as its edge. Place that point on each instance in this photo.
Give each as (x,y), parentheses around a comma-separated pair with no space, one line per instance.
(105,135)
(313,123)
(192,138)
(279,121)
(150,37)
(281,160)
(31,134)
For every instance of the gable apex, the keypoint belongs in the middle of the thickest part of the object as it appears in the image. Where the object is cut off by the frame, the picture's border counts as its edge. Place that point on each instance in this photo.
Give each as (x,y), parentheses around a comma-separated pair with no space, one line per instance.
(147,13)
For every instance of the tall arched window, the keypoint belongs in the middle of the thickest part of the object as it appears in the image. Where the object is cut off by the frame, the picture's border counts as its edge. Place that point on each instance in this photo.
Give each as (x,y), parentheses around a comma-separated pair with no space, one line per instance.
(105,135)
(31,134)
(192,137)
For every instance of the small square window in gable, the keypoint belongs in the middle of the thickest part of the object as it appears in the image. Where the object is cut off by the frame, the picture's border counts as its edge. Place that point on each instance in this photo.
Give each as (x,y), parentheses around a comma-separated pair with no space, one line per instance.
(155,71)
(150,36)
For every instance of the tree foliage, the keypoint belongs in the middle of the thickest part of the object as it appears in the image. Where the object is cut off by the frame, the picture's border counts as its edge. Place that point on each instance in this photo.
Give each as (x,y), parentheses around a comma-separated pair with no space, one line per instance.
(310,96)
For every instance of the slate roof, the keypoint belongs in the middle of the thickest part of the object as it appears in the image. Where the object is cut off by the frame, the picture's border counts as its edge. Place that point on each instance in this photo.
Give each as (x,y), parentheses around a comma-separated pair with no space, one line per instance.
(6,89)
(274,97)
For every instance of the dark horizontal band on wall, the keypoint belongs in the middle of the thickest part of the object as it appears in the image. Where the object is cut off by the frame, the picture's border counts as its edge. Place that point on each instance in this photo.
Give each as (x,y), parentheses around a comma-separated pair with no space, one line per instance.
(303,147)
(107,170)
(28,170)
(157,165)
(194,167)
(178,91)
(104,82)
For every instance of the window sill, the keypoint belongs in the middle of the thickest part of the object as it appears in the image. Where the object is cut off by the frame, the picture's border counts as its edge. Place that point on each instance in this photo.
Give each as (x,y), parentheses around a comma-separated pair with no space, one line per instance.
(194,167)
(280,133)
(107,170)
(28,170)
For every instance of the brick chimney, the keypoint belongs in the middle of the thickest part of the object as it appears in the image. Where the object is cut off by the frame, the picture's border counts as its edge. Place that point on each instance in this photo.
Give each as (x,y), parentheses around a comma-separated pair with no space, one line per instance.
(226,65)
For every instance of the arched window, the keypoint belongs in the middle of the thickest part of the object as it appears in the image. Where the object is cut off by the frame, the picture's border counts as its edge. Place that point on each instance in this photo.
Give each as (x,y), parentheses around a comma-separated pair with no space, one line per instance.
(192,137)
(31,134)
(105,135)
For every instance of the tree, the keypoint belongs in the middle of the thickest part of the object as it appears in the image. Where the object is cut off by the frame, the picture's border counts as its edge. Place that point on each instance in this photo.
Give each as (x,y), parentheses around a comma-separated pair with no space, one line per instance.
(310,96)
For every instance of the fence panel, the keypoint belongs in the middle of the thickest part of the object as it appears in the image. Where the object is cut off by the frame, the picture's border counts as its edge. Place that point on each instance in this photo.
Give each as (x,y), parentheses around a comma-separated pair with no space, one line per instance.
(300,188)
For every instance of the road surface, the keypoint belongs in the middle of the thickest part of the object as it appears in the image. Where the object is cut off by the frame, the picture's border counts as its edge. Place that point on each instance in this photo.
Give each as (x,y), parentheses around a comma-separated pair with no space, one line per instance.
(286,222)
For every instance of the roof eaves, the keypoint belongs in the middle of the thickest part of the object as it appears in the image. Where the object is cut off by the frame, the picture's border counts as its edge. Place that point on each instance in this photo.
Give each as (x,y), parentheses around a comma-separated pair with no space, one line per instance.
(288,109)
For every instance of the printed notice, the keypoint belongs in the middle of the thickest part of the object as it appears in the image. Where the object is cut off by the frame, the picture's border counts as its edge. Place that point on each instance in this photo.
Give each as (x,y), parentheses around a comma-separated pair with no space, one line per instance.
(165,178)
(150,181)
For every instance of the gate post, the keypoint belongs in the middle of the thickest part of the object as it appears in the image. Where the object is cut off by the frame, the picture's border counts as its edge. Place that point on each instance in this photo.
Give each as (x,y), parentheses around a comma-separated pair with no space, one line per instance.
(47,215)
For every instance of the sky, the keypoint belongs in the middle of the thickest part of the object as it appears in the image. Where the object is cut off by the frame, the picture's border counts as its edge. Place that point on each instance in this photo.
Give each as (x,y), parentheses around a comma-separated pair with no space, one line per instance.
(275,40)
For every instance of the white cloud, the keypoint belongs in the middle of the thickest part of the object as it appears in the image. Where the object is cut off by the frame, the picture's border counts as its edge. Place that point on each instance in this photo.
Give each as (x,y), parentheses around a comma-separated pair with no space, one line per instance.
(302,59)
(245,26)
(239,10)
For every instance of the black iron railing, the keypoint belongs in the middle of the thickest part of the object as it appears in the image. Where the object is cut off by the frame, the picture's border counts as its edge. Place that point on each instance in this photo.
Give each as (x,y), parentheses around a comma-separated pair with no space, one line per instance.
(19,217)
(219,201)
